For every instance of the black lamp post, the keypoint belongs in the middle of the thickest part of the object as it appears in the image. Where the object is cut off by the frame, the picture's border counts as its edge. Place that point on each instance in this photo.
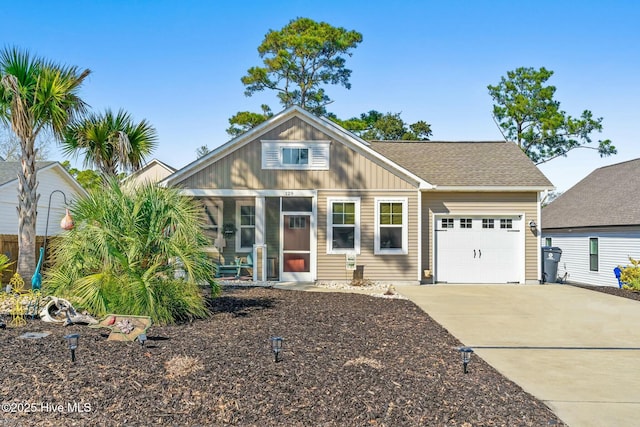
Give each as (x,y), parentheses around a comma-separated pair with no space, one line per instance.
(72,341)
(276,347)
(466,353)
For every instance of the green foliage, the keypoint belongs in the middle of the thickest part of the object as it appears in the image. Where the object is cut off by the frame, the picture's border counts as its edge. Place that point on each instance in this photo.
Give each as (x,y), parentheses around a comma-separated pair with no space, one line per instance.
(245,120)
(202,151)
(138,251)
(299,59)
(630,275)
(89,179)
(5,263)
(527,114)
(111,142)
(375,125)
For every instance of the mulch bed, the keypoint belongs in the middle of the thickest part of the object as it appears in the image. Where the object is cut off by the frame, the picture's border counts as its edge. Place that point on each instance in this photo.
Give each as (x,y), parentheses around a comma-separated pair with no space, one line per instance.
(347,360)
(624,293)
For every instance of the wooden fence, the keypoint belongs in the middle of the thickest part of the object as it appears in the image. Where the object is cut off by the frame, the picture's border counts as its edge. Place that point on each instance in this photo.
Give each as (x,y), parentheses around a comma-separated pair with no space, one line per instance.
(9,247)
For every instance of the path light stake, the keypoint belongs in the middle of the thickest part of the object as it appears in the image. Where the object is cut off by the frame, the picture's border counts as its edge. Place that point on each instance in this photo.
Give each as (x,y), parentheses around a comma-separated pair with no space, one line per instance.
(276,346)
(141,339)
(72,341)
(466,353)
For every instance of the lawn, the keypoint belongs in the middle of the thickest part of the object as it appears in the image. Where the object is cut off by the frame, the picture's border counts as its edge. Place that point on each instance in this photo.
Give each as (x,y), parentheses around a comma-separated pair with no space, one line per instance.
(347,360)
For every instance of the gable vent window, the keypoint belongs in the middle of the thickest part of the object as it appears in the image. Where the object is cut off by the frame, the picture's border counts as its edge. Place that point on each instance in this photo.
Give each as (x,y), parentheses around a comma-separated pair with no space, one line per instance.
(295,155)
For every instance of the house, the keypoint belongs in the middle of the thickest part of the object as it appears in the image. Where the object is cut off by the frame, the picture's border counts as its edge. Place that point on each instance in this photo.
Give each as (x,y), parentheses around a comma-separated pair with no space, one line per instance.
(312,202)
(596,224)
(55,186)
(154,171)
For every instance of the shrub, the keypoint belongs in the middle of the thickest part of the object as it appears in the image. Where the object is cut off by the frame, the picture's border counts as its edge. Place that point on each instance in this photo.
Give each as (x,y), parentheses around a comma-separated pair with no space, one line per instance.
(136,251)
(630,275)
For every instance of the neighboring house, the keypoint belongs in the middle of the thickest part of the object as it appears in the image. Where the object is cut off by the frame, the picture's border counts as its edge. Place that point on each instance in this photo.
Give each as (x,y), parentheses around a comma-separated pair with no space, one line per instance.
(303,195)
(154,171)
(51,176)
(596,223)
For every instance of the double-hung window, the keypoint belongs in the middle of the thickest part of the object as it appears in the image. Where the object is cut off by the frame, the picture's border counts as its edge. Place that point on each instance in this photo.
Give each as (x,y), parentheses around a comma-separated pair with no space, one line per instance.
(593,254)
(391,226)
(246,220)
(343,225)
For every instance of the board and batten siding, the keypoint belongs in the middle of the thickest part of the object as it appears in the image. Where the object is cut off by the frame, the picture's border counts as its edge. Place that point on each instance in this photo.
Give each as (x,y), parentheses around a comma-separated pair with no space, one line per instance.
(386,268)
(48,181)
(242,168)
(478,203)
(614,249)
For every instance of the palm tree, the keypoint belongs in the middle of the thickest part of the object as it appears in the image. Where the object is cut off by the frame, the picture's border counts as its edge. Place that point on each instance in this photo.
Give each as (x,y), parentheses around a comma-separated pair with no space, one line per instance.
(139,251)
(112,143)
(35,95)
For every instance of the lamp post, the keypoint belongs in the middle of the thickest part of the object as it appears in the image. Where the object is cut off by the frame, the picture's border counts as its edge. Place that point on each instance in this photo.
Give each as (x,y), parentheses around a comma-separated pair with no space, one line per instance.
(72,341)
(466,353)
(276,347)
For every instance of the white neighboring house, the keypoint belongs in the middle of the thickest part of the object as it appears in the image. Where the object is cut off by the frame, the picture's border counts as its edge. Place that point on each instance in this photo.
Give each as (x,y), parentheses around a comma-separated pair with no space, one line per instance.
(51,176)
(596,223)
(154,171)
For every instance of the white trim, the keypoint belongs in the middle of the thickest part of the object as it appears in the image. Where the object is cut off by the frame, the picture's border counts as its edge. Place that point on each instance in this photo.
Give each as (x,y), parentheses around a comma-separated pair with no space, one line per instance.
(330,225)
(501,188)
(419,263)
(377,250)
(239,205)
(273,158)
(198,192)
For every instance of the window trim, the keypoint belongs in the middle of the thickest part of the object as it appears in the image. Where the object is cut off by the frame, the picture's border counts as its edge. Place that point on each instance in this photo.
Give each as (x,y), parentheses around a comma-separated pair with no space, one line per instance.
(318,154)
(239,226)
(330,225)
(596,255)
(404,250)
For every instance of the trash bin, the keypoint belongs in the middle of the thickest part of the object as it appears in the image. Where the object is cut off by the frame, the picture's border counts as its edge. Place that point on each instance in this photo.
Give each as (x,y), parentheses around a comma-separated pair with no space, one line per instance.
(550,259)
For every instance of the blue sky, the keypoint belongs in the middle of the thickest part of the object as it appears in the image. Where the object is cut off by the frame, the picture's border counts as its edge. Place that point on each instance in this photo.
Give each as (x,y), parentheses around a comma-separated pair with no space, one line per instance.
(178,64)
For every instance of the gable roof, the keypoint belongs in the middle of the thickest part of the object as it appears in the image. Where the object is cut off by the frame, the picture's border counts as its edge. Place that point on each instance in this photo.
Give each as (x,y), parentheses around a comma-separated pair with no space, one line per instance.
(451,165)
(154,163)
(326,125)
(608,196)
(9,173)
(9,170)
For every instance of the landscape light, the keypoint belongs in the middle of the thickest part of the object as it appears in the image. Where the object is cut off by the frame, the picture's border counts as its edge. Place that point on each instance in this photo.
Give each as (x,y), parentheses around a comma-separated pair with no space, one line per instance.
(72,341)
(466,353)
(276,346)
(141,339)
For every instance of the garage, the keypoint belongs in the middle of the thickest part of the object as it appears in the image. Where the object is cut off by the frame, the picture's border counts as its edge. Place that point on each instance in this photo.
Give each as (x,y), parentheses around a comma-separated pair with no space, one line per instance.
(479,249)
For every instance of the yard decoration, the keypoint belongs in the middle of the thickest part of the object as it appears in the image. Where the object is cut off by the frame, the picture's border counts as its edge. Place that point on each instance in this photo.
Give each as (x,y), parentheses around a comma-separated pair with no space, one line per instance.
(16,282)
(59,310)
(125,327)
(18,314)
(36,279)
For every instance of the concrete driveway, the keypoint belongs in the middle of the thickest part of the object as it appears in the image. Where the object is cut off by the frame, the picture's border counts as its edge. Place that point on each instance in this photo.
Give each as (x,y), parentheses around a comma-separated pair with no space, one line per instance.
(576,350)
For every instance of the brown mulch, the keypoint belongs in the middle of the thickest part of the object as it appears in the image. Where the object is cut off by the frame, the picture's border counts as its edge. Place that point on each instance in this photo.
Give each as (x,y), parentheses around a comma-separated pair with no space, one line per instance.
(624,293)
(347,360)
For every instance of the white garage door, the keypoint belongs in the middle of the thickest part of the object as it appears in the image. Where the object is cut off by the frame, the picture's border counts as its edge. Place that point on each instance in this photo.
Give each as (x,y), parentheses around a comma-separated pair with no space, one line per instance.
(485,249)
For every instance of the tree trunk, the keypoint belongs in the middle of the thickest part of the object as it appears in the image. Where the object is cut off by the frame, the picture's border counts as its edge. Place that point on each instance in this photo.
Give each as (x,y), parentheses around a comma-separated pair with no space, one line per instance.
(27,215)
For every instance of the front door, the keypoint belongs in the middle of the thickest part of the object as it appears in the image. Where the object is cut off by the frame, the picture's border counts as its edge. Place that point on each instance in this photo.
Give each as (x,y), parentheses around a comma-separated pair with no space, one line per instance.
(296,248)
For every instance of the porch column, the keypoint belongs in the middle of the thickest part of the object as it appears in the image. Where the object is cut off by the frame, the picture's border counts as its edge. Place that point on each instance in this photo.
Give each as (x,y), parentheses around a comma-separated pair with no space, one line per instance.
(259,249)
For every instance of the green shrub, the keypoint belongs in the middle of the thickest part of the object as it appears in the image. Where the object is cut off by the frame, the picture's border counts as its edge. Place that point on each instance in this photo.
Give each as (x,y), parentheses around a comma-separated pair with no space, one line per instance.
(630,275)
(122,255)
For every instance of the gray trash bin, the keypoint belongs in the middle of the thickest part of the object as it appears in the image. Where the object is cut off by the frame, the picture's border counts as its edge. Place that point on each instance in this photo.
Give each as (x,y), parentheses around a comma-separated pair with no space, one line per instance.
(550,259)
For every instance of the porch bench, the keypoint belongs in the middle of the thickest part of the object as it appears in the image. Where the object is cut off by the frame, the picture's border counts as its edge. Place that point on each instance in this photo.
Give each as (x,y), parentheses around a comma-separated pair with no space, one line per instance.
(227,270)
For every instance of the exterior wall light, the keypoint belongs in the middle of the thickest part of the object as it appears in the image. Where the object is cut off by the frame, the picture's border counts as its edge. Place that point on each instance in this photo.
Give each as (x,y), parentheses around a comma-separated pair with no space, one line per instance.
(276,347)
(532,225)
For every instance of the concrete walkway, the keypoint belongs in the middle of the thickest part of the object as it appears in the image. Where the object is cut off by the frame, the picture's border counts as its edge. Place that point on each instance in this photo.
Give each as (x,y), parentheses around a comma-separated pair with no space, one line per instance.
(576,350)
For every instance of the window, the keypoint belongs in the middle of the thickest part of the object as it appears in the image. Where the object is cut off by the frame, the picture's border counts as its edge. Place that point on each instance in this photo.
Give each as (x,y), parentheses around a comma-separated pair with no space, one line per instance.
(391,232)
(307,155)
(593,254)
(506,223)
(297,222)
(547,241)
(487,223)
(447,222)
(465,222)
(343,225)
(246,220)
(295,156)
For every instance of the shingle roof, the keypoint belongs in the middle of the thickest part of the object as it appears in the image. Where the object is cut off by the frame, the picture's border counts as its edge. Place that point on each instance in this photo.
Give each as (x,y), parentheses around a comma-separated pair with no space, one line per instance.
(608,196)
(501,164)
(9,170)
